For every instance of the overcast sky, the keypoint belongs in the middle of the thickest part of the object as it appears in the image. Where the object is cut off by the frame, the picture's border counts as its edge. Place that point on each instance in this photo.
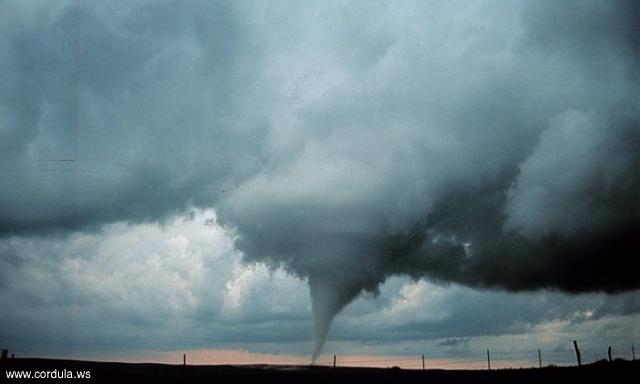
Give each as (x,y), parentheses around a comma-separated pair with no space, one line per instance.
(402,177)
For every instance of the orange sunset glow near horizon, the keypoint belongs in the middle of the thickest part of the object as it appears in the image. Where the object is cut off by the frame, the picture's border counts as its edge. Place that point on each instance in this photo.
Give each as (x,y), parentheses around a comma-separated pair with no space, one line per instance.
(243,357)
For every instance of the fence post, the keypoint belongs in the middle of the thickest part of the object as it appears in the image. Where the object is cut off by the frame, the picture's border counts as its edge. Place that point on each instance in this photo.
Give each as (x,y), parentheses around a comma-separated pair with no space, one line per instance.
(609,354)
(423,361)
(575,345)
(184,359)
(334,361)
(539,358)
(488,360)
(633,352)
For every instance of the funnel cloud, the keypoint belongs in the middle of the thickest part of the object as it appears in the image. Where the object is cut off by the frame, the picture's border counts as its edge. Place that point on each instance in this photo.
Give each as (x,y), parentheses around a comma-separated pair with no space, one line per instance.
(491,144)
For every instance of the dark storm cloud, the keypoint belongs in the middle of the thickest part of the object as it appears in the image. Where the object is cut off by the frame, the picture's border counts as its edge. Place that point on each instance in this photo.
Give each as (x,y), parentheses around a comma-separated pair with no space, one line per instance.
(116,111)
(487,150)
(492,144)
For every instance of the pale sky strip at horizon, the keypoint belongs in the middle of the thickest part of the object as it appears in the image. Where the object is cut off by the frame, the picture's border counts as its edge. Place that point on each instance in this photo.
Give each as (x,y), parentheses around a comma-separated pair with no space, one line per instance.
(241,357)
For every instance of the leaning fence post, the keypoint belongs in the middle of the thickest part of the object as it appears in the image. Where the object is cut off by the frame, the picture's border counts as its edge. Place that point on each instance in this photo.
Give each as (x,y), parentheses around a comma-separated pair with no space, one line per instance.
(488,360)
(575,345)
(609,354)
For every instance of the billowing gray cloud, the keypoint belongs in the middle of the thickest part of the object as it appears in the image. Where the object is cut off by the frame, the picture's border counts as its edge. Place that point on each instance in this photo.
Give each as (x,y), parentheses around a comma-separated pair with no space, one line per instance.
(119,111)
(489,144)
(471,150)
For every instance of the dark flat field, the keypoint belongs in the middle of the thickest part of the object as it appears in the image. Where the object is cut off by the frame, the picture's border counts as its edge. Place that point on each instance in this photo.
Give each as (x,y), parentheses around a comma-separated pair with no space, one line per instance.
(600,372)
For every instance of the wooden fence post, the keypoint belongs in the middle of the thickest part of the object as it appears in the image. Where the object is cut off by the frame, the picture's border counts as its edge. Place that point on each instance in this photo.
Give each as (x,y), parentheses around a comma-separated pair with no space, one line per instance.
(575,345)
(539,358)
